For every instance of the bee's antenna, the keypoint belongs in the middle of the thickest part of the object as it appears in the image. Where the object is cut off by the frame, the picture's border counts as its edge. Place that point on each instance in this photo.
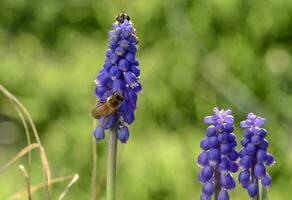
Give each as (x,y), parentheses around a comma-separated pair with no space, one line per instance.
(122,17)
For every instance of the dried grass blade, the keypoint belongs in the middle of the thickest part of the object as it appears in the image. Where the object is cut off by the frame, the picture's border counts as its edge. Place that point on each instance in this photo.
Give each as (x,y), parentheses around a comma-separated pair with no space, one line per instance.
(27,180)
(45,163)
(19,155)
(74,180)
(39,186)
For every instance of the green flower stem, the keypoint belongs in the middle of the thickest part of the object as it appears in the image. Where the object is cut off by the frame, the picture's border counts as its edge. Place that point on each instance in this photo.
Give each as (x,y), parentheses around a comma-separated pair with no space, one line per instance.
(264,193)
(111,164)
(94,163)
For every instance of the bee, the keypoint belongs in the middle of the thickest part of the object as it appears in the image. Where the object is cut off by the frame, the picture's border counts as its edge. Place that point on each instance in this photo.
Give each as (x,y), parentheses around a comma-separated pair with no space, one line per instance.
(104,109)
(122,16)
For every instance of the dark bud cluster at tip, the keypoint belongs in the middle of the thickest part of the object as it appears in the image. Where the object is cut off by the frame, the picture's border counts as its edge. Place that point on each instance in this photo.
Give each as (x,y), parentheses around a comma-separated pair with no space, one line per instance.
(120,73)
(122,17)
(219,155)
(253,155)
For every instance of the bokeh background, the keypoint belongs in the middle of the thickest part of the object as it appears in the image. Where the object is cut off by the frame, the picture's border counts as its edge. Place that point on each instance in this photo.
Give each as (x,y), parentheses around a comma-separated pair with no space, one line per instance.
(194,55)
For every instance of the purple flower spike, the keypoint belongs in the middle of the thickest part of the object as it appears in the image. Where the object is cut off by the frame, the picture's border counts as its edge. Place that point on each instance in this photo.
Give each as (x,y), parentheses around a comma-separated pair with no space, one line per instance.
(218,159)
(254,156)
(120,73)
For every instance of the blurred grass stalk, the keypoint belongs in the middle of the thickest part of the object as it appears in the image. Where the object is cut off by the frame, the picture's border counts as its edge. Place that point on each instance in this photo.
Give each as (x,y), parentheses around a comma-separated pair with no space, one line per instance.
(94,160)
(19,155)
(22,111)
(35,188)
(27,180)
(111,164)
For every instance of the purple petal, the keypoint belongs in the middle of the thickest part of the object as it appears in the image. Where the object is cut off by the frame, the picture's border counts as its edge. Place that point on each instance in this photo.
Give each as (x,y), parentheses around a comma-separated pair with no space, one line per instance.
(130,96)
(208,120)
(120,51)
(107,122)
(123,134)
(124,65)
(251,116)
(98,133)
(118,85)
(129,116)
(99,91)
(229,119)
(130,57)
(243,124)
(216,110)
(135,69)
(115,73)
(131,79)
(138,88)
(260,121)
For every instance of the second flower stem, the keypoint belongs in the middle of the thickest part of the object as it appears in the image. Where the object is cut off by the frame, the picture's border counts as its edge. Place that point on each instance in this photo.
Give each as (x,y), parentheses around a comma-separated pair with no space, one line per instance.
(94,163)
(111,164)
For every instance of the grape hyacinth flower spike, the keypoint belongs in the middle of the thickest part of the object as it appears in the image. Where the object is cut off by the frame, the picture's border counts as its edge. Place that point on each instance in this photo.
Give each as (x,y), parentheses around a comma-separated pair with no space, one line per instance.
(254,156)
(219,156)
(117,87)
(119,74)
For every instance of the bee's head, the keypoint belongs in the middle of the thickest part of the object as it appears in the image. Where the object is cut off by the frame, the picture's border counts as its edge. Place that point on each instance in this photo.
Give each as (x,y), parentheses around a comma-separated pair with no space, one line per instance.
(122,17)
(118,96)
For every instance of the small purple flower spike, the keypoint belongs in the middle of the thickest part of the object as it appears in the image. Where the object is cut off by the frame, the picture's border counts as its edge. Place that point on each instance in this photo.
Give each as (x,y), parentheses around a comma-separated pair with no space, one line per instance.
(120,73)
(219,156)
(254,156)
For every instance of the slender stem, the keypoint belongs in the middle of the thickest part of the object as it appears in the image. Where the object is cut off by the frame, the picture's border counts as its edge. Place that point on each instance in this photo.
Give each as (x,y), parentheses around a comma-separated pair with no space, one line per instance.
(111,164)
(255,180)
(264,193)
(94,163)
(217,184)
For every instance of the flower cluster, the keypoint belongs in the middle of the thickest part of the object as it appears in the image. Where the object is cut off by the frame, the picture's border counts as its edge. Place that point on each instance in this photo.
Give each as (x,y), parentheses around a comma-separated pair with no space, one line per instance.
(120,73)
(253,155)
(219,156)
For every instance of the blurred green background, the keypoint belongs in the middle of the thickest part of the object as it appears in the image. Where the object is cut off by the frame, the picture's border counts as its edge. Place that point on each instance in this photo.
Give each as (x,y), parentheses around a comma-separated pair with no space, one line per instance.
(194,55)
